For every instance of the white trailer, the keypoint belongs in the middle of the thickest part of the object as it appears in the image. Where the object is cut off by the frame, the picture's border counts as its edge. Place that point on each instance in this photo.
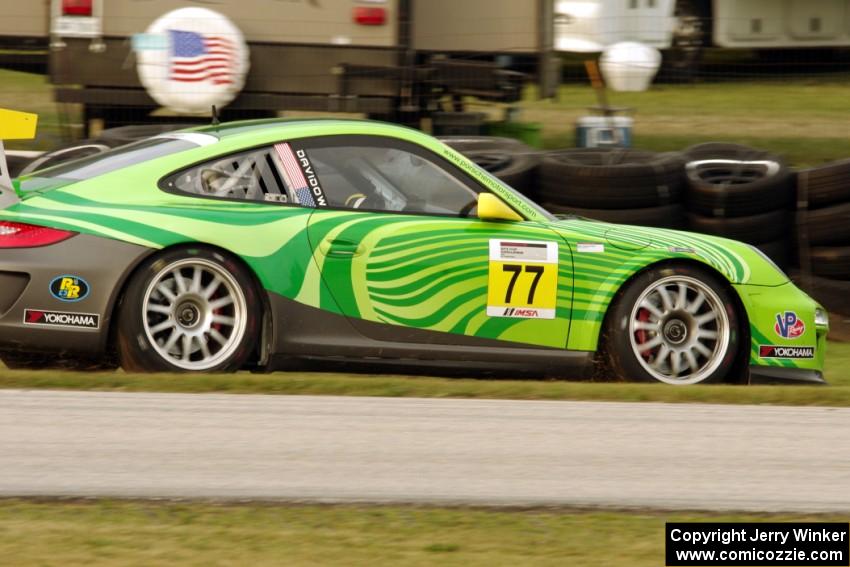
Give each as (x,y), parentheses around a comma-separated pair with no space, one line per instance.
(590,25)
(379,57)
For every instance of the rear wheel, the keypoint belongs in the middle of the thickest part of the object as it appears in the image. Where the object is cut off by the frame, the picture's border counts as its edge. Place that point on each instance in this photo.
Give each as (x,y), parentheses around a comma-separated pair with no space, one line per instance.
(188,310)
(676,325)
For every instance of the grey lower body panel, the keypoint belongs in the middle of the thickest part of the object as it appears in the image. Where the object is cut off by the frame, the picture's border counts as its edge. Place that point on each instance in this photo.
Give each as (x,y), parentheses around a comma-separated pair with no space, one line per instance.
(309,334)
(83,326)
(780,375)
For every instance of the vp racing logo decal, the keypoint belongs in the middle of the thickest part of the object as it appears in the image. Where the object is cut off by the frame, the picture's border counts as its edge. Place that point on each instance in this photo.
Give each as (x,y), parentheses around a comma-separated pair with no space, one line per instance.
(778,351)
(788,325)
(45,318)
(69,288)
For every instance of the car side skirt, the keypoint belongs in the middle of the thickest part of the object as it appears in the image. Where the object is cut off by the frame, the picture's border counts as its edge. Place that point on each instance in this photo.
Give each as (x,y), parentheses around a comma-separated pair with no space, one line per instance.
(779,375)
(306,333)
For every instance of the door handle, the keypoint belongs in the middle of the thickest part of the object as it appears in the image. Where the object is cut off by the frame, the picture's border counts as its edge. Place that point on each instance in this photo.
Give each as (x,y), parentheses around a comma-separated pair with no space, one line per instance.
(340,248)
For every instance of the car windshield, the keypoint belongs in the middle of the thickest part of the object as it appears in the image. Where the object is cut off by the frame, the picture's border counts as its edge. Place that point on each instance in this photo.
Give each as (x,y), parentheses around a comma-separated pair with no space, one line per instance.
(124,156)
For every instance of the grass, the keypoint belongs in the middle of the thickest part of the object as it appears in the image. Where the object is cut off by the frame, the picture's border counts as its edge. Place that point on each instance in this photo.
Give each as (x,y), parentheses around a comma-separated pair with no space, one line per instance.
(319,383)
(122,534)
(803,119)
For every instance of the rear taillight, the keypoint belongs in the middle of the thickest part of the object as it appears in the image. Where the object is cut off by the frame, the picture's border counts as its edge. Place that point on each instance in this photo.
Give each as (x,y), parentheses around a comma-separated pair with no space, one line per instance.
(22,235)
(370,16)
(77,8)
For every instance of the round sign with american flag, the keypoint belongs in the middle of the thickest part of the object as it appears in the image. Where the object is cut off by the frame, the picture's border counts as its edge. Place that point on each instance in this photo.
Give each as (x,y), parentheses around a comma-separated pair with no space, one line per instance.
(192,58)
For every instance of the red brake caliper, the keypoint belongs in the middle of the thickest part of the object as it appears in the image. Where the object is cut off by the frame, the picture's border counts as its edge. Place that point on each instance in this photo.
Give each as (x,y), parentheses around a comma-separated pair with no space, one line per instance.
(640,335)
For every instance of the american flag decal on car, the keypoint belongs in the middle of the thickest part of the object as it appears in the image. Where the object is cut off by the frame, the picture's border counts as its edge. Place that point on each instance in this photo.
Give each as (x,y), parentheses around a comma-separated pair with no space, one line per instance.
(294,176)
(196,58)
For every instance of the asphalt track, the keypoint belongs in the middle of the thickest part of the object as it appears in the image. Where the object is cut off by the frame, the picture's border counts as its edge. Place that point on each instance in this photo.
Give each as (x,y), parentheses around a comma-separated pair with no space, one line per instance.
(480,452)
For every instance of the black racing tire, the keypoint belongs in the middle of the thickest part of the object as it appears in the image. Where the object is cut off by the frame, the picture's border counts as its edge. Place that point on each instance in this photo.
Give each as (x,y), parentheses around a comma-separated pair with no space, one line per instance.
(780,251)
(221,320)
(831,262)
(597,178)
(70,152)
(635,352)
(667,216)
(519,170)
(732,180)
(122,135)
(754,229)
(827,184)
(829,225)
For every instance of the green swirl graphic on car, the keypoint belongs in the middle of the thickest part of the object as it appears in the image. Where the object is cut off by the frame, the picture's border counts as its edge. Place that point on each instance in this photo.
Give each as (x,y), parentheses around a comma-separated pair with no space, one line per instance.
(401,245)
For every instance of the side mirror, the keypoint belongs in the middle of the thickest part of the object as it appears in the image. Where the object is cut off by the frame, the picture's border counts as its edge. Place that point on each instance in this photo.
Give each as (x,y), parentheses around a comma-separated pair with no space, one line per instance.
(490,207)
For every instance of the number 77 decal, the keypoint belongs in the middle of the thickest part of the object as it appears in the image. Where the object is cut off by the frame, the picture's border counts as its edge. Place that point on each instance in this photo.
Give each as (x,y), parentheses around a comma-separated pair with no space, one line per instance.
(523,279)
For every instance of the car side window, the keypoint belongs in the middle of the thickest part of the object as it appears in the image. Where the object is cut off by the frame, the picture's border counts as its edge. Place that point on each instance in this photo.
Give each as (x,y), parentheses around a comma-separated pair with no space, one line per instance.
(255,175)
(371,176)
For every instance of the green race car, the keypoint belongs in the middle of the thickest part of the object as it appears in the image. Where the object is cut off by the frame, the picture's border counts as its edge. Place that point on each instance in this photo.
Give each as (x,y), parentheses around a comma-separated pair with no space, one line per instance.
(246,245)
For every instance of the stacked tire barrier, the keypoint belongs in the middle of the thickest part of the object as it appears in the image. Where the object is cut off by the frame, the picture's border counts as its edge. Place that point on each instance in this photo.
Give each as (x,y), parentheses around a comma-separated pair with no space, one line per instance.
(823,238)
(619,185)
(824,219)
(741,193)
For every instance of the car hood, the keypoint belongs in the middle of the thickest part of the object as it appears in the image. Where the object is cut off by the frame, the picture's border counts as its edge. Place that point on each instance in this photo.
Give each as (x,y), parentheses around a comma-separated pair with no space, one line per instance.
(739,262)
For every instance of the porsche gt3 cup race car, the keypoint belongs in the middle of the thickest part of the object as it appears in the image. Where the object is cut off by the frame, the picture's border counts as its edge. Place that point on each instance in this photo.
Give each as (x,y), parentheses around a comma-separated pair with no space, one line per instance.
(248,244)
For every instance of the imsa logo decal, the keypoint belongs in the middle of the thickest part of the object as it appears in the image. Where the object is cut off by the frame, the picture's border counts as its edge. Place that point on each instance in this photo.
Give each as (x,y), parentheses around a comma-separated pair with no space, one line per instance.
(778,351)
(523,313)
(45,318)
(69,288)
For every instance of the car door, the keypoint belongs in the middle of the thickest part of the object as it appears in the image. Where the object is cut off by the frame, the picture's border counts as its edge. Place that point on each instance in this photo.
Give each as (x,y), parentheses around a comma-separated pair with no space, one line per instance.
(405,261)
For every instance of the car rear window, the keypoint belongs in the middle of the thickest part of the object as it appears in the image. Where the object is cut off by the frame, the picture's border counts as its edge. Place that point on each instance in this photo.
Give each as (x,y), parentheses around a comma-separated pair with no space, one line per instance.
(124,156)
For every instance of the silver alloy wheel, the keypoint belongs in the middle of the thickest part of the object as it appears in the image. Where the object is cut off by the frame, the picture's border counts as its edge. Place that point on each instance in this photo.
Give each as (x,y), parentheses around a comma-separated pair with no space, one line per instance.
(195,314)
(679,330)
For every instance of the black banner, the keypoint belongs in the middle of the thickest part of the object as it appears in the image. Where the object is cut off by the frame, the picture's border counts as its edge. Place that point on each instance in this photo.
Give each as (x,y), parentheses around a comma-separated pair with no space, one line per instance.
(763,544)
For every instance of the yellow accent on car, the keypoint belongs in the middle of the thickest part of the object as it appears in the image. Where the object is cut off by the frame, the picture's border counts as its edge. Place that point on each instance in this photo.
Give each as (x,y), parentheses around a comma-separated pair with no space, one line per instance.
(490,207)
(16,125)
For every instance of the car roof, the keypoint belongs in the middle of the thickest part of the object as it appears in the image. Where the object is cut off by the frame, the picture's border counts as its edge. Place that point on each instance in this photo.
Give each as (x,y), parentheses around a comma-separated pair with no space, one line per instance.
(248,128)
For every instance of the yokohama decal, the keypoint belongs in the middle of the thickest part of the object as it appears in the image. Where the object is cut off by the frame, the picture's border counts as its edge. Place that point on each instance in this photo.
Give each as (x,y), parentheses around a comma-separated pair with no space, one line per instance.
(45,318)
(778,351)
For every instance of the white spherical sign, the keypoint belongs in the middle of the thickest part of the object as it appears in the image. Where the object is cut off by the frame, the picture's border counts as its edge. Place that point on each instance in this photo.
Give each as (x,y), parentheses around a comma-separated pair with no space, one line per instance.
(629,66)
(192,58)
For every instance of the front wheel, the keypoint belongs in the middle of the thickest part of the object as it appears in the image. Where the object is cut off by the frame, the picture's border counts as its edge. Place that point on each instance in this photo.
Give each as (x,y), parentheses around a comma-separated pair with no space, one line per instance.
(188,310)
(676,325)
